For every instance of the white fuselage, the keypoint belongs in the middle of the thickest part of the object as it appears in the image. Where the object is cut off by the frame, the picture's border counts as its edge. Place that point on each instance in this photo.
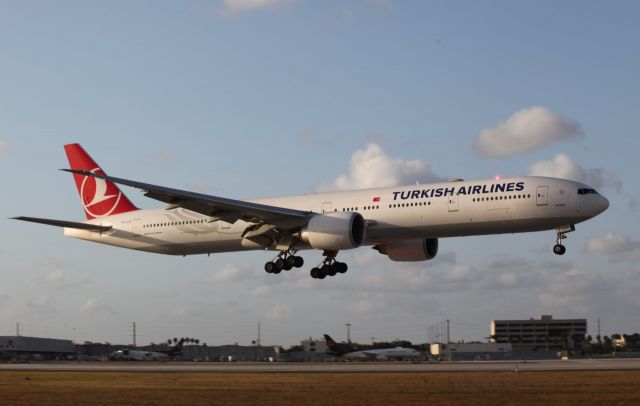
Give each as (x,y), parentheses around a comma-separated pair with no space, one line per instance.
(138,355)
(397,353)
(450,209)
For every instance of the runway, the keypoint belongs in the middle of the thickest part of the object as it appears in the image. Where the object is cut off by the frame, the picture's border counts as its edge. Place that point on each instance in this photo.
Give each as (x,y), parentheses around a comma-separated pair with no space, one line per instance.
(337,367)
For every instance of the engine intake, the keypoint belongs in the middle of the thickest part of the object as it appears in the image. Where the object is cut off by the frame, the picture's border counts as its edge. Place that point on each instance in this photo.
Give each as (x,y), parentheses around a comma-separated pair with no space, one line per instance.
(335,231)
(410,250)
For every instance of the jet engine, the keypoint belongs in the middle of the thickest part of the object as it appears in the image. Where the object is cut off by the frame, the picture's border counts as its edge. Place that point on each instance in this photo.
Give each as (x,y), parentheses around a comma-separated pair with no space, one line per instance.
(335,231)
(410,250)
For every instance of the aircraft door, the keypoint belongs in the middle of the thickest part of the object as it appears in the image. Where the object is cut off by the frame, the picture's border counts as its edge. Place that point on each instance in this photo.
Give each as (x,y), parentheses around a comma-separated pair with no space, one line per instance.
(454,203)
(135,227)
(542,196)
(561,198)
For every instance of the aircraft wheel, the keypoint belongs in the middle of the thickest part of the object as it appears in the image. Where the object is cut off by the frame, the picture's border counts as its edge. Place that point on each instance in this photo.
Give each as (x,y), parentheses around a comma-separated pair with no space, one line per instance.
(298,262)
(334,269)
(276,270)
(269,267)
(327,270)
(342,267)
(289,263)
(279,263)
(559,249)
(314,273)
(321,274)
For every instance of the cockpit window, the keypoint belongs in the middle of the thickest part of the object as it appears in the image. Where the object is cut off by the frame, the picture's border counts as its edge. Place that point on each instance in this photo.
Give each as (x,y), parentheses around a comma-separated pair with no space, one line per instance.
(587,192)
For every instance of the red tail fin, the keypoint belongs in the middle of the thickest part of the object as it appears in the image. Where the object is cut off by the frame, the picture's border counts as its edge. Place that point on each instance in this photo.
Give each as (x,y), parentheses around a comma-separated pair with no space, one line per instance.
(99,198)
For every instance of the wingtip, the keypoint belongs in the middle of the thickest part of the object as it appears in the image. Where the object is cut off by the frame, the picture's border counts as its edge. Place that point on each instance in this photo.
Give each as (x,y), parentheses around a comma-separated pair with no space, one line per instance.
(78,171)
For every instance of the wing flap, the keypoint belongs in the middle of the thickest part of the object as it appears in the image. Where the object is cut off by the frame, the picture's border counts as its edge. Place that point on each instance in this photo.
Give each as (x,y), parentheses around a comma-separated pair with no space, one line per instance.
(63,223)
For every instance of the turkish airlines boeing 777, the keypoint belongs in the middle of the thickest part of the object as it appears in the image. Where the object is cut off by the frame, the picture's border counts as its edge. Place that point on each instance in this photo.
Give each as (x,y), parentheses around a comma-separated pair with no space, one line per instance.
(403,223)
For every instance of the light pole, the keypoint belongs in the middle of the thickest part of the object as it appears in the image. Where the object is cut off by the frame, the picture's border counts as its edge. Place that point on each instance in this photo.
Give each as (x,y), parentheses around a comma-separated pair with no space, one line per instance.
(348,332)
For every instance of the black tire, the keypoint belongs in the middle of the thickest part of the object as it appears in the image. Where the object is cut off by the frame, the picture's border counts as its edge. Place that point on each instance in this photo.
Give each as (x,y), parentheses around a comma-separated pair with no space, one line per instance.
(326,270)
(279,263)
(321,275)
(276,271)
(298,262)
(559,249)
(289,263)
(334,269)
(314,273)
(269,267)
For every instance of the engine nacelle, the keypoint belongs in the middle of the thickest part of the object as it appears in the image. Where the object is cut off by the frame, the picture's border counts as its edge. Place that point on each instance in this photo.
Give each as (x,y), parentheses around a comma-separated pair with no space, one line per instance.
(410,250)
(335,231)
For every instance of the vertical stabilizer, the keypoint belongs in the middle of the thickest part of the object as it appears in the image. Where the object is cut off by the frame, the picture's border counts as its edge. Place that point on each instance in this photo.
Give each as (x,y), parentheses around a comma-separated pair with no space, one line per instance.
(99,198)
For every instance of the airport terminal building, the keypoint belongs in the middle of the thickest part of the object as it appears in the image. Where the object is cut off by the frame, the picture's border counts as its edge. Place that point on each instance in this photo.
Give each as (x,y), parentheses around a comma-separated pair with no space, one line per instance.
(542,334)
(26,348)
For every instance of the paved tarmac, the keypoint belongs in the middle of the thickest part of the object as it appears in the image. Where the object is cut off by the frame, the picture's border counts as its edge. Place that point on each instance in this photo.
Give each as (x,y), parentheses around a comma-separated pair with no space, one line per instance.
(333,367)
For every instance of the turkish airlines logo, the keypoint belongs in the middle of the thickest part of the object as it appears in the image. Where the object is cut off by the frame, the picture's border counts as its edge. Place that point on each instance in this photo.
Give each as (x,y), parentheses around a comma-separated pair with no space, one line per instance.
(99,197)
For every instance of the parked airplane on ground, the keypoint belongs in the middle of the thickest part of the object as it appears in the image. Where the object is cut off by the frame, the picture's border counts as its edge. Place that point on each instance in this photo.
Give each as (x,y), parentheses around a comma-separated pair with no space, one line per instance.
(139,355)
(377,354)
(404,223)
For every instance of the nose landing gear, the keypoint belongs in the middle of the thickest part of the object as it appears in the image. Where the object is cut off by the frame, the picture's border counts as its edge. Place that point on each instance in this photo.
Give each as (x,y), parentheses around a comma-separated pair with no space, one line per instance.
(561,232)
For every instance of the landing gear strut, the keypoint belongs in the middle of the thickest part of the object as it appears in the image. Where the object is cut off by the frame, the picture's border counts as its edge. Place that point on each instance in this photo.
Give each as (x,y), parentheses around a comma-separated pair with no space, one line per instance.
(560,249)
(286,260)
(329,266)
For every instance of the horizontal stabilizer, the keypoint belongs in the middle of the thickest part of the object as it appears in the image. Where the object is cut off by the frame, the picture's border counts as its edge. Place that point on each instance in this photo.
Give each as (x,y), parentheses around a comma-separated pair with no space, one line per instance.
(62,223)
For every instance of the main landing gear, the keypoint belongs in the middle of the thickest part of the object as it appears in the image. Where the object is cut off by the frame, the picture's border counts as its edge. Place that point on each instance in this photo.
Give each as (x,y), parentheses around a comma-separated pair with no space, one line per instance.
(286,260)
(561,232)
(329,266)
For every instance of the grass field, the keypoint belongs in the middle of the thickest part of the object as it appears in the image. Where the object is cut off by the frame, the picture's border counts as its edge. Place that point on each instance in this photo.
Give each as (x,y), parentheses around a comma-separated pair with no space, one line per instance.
(194,388)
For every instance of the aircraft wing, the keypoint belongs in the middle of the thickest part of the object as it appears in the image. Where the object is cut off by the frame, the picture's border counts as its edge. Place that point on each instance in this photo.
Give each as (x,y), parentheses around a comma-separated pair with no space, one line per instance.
(63,223)
(229,210)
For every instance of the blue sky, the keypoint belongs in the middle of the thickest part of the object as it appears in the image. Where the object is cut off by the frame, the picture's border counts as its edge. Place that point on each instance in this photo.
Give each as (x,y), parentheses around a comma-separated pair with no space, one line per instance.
(248,98)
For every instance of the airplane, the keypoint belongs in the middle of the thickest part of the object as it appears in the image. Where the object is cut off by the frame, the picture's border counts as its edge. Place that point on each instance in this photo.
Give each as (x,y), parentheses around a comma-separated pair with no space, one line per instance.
(140,355)
(378,354)
(404,222)
(137,355)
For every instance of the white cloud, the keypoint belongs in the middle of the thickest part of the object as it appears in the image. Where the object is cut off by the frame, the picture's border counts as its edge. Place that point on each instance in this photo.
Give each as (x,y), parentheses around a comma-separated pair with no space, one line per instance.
(55,276)
(524,131)
(510,274)
(261,290)
(279,312)
(414,278)
(228,273)
(578,291)
(92,305)
(563,166)
(41,302)
(372,167)
(5,311)
(620,247)
(230,7)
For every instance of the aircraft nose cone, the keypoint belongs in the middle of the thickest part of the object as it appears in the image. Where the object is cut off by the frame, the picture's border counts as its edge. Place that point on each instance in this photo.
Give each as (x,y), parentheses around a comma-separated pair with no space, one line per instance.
(604,204)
